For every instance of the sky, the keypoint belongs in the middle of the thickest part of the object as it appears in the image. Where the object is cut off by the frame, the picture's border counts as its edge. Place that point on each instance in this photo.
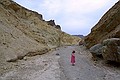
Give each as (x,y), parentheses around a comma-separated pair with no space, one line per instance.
(76,17)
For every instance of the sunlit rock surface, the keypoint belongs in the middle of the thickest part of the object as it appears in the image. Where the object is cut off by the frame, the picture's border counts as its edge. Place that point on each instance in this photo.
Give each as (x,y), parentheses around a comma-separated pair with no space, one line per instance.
(104,37)
(107,27)
(25,33)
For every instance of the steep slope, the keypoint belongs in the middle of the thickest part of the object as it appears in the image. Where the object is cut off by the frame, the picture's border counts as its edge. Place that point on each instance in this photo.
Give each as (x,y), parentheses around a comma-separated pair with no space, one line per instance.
(24,33)
(107,27)
(104,39)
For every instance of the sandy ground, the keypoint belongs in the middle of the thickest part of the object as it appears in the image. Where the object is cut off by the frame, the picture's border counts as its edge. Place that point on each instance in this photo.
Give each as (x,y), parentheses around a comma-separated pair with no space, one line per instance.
(41,67)
(85,68)
(58,67)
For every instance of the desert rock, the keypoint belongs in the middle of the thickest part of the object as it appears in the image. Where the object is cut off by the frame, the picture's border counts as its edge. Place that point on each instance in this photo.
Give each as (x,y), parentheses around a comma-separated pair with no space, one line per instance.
(24,32)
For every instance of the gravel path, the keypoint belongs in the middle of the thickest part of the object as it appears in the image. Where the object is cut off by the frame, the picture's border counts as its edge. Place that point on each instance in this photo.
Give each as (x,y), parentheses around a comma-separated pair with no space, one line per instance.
(85,68)
(40,67)
(56,65)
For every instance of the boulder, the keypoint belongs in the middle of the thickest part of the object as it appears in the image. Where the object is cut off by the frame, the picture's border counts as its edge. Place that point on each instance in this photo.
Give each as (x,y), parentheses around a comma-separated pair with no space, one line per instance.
(96,50)
(111,49)
(115,41)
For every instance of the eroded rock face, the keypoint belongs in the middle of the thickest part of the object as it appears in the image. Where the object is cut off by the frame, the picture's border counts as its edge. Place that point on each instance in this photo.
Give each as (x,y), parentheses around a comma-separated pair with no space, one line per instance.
(104,37)
(24,32)
(52,23)
(58,27)
(107,27)
(96,50)
(108,50)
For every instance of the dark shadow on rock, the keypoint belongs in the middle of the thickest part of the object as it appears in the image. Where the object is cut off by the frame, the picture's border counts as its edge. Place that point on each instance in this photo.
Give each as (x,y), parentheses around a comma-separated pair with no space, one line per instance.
(113,63)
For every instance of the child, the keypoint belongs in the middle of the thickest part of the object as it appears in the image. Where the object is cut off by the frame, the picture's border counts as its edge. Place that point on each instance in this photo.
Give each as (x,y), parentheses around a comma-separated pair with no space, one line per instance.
(73,58)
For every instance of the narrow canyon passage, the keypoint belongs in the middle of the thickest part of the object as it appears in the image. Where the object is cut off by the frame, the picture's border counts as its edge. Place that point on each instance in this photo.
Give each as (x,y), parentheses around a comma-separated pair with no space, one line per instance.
(85,68)
(56,65)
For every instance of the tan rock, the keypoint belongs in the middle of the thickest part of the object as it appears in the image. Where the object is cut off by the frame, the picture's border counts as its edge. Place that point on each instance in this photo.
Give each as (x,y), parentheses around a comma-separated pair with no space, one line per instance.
(24,33)
(107,27)
(110,49)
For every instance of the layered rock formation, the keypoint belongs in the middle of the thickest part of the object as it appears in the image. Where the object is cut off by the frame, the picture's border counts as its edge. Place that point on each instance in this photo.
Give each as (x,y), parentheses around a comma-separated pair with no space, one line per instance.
(107,27)
(24,33)
(108,50)
(104,38)
(52,23)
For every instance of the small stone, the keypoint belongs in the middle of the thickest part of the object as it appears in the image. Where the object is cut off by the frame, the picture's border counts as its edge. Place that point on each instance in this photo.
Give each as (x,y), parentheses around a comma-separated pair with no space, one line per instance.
(25,58)
(57,54)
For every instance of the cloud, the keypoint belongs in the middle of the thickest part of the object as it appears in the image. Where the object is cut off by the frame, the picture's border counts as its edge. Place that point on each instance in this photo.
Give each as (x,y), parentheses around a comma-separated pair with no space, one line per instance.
(83,5)
(74,23)
(74,16)
(66,7)
(52,7)
(72,6)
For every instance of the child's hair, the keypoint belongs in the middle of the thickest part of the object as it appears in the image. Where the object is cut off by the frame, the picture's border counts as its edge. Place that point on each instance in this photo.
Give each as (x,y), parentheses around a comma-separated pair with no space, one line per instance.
(73,52)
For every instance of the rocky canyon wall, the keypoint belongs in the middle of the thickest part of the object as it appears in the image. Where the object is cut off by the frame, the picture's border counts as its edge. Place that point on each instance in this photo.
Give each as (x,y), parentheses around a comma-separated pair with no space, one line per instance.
(107,27)
(104,39)
(25,33)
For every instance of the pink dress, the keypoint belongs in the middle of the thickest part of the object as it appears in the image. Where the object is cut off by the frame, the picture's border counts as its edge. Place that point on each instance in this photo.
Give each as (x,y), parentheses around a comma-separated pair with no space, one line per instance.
(72,58)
